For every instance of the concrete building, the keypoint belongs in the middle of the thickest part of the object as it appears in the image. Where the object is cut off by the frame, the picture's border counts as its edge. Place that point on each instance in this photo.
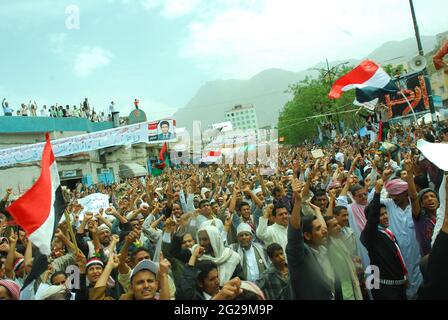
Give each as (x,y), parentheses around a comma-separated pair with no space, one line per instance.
(242,117)
(106,165)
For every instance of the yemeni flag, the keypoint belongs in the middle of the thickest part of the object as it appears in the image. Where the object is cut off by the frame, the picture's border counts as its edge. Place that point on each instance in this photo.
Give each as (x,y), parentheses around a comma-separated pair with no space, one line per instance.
(370,81)
(162,162)
(39,210)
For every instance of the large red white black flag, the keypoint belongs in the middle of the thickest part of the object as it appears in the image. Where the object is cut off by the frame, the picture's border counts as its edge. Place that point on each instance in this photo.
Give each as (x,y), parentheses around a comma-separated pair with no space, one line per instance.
(40,209)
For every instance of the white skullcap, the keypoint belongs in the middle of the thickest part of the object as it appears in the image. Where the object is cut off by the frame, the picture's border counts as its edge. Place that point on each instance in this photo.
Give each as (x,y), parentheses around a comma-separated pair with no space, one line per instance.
(103,227)
(339,157)
(243,227)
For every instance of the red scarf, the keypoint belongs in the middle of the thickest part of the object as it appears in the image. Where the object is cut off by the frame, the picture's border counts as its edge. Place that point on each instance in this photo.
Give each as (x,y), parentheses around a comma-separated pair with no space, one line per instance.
(391,236)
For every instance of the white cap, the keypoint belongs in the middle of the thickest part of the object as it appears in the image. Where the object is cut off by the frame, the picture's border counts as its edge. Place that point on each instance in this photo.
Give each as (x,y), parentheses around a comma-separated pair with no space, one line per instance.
(204,190)
(339,157)
(243,227)
(144,205)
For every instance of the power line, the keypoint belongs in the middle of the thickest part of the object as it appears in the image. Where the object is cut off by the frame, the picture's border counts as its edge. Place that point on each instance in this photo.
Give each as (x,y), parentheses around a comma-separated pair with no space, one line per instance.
(317,116)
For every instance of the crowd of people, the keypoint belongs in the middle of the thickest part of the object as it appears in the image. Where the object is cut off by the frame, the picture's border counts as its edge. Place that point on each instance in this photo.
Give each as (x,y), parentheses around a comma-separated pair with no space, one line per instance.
(58,111)
(365,221)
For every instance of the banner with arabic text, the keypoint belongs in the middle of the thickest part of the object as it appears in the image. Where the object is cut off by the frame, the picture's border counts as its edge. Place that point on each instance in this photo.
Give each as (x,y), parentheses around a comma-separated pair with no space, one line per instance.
(126,135)
(413,86)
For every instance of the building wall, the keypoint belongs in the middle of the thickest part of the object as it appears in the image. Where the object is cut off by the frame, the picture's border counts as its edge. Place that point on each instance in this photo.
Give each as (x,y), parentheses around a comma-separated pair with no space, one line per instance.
(47,124)
(18,131)
(242,118)
(439,84)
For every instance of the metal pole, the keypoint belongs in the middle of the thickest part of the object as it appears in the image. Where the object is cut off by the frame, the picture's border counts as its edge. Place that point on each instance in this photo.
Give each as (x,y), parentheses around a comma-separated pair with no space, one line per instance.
(417,33)
(420,52)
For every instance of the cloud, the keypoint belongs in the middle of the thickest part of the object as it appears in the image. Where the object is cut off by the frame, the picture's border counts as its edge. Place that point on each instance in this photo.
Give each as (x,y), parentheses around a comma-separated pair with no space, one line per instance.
(90,59)
(241,40)
(58,43)
(172,8)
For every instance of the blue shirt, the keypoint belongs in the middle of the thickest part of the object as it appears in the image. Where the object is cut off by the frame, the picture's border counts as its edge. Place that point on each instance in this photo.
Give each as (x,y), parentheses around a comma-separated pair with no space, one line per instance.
(7,110)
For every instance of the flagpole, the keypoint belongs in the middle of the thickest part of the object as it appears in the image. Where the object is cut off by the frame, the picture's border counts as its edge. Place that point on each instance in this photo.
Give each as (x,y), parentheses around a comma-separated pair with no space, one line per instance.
(70,230)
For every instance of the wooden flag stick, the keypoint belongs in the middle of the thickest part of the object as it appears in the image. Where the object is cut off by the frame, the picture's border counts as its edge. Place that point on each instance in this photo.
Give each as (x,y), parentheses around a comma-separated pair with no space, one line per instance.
(70,230)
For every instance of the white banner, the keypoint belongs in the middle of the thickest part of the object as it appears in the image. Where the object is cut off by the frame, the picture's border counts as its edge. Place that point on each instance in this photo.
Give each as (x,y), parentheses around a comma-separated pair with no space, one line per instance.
(141,132)
(93,203)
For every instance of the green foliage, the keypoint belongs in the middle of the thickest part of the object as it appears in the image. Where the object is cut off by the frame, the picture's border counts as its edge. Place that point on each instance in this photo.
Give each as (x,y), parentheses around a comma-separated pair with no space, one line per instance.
(392,71)
(310,98)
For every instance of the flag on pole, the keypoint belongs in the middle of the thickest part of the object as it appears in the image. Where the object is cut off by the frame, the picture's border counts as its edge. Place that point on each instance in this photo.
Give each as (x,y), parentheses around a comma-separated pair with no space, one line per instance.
(162,162)
(39,210)
(369,80)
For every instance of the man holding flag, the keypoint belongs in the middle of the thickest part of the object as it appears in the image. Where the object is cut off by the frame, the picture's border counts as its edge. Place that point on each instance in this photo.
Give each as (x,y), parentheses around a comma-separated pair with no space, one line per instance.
(39,210)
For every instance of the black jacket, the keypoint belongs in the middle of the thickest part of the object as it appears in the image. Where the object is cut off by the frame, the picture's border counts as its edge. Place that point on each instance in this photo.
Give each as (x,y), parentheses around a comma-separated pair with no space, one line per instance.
(382,250)
(305,273)
(437,276)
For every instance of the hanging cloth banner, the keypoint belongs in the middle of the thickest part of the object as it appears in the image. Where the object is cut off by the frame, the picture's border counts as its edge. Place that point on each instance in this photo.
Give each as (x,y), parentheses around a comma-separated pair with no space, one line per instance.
(148,132)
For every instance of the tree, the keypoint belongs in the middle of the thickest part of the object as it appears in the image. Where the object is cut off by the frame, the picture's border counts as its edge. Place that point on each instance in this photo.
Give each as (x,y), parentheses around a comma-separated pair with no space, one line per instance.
(310,98)
(393,71)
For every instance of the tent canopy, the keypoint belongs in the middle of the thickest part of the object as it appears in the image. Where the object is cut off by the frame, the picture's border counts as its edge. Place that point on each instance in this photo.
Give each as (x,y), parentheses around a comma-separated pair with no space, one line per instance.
(132,170)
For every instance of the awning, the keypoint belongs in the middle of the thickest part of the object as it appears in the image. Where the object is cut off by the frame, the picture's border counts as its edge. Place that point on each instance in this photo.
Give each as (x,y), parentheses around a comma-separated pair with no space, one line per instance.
(132,170)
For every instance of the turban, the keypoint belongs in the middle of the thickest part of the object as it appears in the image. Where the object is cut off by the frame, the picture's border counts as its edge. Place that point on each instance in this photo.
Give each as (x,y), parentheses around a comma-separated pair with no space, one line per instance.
(51,290)
(243,227)
(334,184)
(103,227)
(396,187)
(12,287)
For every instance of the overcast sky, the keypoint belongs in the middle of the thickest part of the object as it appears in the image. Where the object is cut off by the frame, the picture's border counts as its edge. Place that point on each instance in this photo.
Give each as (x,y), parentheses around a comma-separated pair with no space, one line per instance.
(162,51)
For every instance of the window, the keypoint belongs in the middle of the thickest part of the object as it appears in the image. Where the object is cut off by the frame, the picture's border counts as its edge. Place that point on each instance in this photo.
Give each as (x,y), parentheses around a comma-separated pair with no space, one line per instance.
(442,89)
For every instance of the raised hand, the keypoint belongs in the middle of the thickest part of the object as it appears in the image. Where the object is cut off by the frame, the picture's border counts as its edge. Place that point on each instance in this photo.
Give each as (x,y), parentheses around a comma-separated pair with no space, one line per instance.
(115,238)
(228,222)
(164,265)
(13,237)
(88,216)
(131,237)
(379,185)
(268,211)
(332,193)
(80,260)
(230,290)
(199,251)
(297,187)
(114,261)
(387,173)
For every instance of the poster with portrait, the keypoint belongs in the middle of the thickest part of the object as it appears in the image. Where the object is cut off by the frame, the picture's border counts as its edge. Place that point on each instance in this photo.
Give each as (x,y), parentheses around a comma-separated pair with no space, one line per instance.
(162,130)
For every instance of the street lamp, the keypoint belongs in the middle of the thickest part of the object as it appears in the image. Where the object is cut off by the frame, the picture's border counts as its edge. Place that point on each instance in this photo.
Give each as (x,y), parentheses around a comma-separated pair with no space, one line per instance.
(329,72)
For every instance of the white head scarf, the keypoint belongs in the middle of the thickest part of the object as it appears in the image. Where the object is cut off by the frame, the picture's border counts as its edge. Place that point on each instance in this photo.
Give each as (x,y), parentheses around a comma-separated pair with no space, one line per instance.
(226,259)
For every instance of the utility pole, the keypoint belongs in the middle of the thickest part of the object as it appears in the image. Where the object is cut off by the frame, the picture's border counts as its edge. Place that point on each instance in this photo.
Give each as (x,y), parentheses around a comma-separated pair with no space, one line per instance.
(329,72)
(420,52)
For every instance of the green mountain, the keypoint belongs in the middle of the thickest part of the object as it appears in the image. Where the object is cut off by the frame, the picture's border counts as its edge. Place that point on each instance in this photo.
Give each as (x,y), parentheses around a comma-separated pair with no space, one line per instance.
(267,90)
